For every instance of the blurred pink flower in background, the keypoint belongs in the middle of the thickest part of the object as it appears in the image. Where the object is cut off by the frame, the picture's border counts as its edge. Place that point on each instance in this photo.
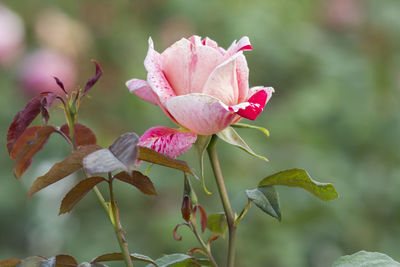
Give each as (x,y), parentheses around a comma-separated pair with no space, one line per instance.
(343,14)
(12,36)
(39,69)
(201,87)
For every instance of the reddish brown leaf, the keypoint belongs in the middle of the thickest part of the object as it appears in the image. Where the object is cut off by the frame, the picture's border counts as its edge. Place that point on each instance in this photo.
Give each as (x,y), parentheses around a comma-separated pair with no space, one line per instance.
(28,135)
(78,192)
(152,156)
(39,104)
(92,80)
(83,135)
(140,181)
(9,262)
(186,208)
(61,85)
(203,217)
(62,169)
(176,237)
(197,250)
(65,261)
(28,144)
(212,239)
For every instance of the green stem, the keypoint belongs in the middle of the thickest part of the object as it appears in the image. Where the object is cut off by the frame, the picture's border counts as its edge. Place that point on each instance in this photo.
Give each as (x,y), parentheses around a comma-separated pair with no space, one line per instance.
(112,213)
(116,222)
(212,153)
(203,244)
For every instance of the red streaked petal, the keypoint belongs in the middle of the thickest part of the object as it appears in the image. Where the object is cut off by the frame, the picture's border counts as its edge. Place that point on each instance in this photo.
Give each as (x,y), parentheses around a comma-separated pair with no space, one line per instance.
(255,105)
(142,89)
(168,141)
(155,75)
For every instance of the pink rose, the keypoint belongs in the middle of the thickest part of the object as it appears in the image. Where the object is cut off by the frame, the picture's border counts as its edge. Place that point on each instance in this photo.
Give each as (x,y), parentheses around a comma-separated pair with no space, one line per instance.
(201,87)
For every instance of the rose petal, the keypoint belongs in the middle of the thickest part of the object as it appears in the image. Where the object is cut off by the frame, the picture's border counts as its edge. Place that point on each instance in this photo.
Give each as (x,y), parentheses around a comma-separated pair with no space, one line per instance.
(211,43)
(202,114)
(255,89)
(242,74)
(155,76)
(255,105)
(222,82)
(187,66)
(196,40)
(142,89)
(168,141)
(242,45)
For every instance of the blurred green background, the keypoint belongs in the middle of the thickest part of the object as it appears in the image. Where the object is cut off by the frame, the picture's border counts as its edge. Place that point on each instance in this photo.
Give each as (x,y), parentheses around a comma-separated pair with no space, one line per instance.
(335,66)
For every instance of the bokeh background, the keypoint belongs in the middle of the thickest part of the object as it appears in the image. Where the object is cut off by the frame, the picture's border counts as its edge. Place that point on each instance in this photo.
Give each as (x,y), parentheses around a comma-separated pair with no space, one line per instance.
(335,65)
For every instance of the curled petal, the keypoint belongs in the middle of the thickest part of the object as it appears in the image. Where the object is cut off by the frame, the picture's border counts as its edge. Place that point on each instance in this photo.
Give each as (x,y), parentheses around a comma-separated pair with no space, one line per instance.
(155,75)
(202,114)
(256,103)
(167,141)
(142,89)
(256,89)
(242,45)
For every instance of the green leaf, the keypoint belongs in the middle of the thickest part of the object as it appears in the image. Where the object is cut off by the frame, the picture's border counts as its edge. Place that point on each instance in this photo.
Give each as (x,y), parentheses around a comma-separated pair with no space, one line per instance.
(120,257)
(217,223)
(172,260)
(267,199)
(300,178)
(204,262)
(62,169)
(78,192)
(152,156)
(244,125)
(201,145)
(230,136)
(28,144)
(96,264)
(188,190)
(9,262)
(242,213)
(138,180)
(366,259)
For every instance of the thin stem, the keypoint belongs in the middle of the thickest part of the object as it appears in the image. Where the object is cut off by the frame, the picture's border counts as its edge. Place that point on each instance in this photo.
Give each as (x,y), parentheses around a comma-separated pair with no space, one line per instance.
(204,245)
(116,222)
(66,139)
(212,153)
(112,211)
